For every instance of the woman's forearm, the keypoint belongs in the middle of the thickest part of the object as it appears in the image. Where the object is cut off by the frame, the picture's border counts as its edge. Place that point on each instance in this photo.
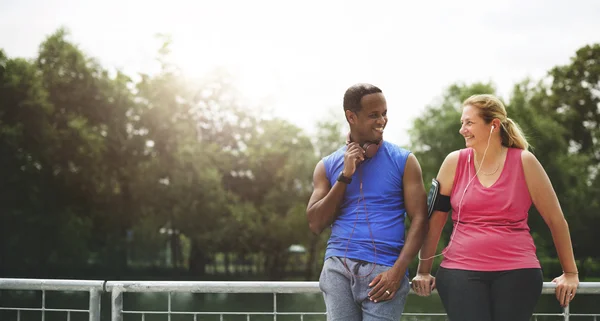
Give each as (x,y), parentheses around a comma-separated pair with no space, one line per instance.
(564,247)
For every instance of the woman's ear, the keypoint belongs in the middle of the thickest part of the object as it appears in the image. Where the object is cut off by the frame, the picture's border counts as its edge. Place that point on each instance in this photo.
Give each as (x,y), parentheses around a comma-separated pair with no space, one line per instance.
(496,124)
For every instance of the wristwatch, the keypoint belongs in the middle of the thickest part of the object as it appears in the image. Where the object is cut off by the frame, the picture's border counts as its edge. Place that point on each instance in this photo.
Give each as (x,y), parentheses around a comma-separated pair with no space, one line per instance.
(344,179)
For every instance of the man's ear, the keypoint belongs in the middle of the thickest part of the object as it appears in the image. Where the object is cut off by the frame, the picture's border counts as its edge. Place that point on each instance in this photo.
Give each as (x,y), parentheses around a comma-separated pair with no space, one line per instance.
(350,117)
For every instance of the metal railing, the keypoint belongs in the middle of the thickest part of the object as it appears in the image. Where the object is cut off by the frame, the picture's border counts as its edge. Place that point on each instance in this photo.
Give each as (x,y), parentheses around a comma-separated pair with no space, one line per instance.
(95,288)
(119,288)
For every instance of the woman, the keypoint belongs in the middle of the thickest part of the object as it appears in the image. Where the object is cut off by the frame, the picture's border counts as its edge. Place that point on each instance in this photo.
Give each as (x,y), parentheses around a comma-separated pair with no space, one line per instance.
(490,270)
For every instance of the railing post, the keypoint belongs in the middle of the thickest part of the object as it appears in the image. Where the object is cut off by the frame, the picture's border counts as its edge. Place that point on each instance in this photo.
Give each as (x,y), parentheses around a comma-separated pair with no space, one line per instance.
(169,307)
(43,305)
(94,305)
(116,304)
(566,313)
(274,306)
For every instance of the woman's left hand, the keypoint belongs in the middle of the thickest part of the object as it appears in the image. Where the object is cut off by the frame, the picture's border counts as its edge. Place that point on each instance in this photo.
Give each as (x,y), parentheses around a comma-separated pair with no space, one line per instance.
(566,287)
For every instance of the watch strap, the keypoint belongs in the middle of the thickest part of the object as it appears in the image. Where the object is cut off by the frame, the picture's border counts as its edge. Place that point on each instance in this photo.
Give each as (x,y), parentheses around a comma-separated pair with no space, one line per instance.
(344,179)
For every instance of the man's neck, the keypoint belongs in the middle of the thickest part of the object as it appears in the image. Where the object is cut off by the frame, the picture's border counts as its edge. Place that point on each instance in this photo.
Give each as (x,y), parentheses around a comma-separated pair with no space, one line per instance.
(357,139)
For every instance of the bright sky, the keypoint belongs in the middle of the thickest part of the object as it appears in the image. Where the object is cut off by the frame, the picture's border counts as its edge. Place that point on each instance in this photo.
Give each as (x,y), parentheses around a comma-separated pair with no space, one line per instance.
(299,57)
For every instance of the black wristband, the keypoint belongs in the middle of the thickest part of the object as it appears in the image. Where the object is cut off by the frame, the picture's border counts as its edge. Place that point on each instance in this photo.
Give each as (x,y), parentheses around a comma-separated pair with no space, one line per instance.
(344,179)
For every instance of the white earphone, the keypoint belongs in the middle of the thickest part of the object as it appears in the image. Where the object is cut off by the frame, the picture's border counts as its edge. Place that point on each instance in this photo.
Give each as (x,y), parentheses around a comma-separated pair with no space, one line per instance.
(461,199)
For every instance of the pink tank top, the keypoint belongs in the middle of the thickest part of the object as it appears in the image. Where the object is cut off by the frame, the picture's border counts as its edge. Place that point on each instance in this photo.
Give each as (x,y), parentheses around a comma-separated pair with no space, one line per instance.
(492,234)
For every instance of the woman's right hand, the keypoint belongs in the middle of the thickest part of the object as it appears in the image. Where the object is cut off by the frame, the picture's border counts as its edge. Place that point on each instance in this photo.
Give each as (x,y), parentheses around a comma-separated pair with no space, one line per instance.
(423,284)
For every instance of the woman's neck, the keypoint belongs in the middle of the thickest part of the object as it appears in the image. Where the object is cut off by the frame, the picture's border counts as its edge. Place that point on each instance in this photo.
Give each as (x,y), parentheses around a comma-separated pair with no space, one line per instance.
(492,155)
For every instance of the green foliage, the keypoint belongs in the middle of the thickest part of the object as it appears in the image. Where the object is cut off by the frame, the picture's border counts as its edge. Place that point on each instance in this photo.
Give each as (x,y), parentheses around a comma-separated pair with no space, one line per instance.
(574,102)
(122,173)
(101,170)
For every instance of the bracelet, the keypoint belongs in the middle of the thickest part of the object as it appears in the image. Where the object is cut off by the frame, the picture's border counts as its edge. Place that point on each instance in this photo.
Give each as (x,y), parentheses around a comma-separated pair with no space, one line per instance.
(577,272)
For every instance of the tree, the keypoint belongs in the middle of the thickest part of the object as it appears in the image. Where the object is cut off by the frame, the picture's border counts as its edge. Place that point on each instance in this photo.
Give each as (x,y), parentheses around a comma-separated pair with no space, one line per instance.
(573,100)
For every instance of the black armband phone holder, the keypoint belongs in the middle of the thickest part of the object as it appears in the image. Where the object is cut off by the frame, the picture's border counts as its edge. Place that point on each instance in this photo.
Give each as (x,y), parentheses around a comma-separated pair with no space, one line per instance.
(435,200)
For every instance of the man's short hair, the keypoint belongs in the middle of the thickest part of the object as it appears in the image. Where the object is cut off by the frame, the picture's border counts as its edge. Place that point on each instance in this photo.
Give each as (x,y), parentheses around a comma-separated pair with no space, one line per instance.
(355,93)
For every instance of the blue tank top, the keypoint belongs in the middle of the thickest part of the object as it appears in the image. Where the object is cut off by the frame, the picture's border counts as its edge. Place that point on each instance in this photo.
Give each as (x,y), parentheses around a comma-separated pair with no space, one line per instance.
(383,205)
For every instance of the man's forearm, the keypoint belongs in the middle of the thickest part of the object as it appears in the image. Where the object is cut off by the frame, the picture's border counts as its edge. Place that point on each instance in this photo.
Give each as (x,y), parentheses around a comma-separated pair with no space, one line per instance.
(414,240)
(323,213)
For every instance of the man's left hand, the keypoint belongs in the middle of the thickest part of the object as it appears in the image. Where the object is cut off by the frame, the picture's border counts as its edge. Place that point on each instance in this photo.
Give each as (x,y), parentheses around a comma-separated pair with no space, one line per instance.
(385,285)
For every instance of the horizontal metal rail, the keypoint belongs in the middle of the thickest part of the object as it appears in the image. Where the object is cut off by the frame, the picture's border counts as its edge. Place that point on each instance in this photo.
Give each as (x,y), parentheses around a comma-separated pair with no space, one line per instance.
(267,287)
(118,288)
(51,284)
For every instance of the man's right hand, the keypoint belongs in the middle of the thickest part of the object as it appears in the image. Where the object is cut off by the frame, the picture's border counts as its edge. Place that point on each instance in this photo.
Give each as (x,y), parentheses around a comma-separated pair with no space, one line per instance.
(423,284)
(353,156)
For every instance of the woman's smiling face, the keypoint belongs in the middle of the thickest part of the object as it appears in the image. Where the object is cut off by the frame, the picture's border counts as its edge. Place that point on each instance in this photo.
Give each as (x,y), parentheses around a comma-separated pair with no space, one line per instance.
(473,128)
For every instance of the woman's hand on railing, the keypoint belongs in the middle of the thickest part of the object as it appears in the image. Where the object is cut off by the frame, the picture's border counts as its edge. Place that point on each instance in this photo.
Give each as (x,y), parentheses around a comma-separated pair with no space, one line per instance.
(423,284)
(566,287)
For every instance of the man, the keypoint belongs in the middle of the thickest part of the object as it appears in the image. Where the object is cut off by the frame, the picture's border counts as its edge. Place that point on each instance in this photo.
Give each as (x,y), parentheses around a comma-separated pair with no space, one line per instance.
(364,191)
